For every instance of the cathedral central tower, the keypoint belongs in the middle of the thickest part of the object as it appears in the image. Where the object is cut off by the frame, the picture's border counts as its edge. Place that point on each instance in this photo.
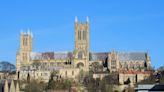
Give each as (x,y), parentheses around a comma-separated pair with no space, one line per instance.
(81,51)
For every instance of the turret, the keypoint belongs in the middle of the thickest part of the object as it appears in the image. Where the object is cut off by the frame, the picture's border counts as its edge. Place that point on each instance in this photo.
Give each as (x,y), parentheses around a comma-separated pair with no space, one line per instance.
(148,61)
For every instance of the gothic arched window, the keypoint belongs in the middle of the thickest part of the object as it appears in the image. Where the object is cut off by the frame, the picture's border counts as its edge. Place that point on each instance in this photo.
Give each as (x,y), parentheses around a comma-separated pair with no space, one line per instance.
(80,35)
(80,55)
(84,35)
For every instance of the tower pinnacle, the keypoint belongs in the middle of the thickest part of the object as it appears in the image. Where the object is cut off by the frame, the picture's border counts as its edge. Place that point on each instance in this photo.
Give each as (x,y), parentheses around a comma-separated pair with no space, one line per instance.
(76,20)
(87,19)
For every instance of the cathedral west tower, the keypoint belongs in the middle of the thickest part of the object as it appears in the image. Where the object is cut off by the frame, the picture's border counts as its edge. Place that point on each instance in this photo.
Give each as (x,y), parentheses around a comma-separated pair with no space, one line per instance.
(23,55)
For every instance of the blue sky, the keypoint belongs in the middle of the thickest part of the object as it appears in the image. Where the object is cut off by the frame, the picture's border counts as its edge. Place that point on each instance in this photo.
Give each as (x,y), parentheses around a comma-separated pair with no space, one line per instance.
(123,25)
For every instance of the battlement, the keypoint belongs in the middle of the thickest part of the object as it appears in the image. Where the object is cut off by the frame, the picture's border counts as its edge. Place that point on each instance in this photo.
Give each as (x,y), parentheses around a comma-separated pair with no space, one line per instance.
(26,33)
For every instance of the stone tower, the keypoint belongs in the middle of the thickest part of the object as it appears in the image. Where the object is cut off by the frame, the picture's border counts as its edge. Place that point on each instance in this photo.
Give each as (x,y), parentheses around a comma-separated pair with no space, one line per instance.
(148,61)
(113,64)
(81,51)
(23,55)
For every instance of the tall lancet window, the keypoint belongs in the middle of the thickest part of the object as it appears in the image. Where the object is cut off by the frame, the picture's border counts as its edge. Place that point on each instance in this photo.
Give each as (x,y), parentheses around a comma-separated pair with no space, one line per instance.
(25,41)
(84,35)
(80,34)
(80,55)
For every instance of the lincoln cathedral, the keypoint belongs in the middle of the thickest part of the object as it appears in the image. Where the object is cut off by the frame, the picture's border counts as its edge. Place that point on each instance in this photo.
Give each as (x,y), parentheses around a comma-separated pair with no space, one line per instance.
(69,64)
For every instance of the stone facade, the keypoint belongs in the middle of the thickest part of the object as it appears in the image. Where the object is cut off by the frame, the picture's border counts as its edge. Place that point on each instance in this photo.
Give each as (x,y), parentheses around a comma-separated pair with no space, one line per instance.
(125,61)
(133,77)
(69,73)
(37,75)
(70,63)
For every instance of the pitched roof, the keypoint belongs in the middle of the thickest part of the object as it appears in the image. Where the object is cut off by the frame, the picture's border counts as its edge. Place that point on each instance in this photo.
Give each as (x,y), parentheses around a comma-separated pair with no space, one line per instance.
(50,55)
(101,56)
(131,56)
(98,56)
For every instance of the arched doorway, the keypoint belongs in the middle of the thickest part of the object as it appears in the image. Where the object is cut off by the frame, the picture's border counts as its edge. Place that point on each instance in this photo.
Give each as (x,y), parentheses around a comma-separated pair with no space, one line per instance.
(80,65)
